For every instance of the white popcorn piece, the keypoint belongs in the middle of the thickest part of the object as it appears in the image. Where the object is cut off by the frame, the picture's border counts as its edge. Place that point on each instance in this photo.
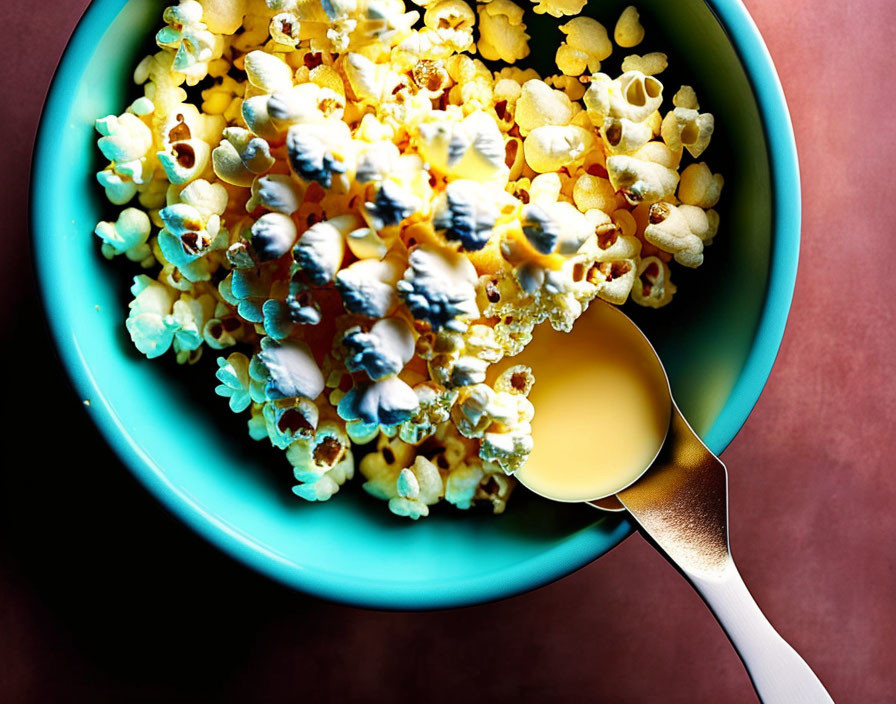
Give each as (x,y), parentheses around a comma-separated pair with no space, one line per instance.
(438,287)
(128,236)
(641,181)
(273,235)
(321,248)
(622,136)
(632,96)
(586,45)
(559,8)
(682,231)
(382,351)
(539,104)
(386,402)
(419,486)
(291,369)
(323,463)
(275,192)
(369,286)
(467,212)
(320,152)
(267,73)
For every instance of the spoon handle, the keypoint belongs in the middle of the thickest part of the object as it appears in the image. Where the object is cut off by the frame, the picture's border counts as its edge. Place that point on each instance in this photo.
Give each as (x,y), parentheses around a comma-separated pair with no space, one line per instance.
(682,504)
(779,674)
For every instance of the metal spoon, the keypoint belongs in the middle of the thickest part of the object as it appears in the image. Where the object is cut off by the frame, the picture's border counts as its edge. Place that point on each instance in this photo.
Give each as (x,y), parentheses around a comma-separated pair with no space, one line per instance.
(681,502)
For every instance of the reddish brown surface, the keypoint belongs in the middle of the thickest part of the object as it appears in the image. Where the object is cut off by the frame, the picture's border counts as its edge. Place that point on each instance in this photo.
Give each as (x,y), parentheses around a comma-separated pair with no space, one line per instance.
(118,601)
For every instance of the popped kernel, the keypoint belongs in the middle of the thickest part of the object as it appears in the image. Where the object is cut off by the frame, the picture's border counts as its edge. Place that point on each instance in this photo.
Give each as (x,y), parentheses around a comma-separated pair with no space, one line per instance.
(377,217)
(628,31)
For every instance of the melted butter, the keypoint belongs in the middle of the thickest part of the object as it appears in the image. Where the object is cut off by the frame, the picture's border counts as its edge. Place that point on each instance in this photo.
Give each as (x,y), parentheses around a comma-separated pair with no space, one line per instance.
(602,407)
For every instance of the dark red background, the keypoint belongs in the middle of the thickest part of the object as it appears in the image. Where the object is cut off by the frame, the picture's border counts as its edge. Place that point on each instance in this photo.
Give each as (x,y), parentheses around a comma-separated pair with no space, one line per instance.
(117,600)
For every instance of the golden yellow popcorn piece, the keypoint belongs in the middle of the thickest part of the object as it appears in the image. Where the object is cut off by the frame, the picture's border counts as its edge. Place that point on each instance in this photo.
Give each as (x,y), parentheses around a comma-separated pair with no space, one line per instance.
(558,8)
(628,31)
(686,98)
(586,45)
(550,148)
(699,186)
(649,64)
(594,192)
(502,33)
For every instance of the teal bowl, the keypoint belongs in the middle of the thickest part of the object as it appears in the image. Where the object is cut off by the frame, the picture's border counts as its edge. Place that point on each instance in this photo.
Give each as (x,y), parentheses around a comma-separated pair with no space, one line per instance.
(718,339)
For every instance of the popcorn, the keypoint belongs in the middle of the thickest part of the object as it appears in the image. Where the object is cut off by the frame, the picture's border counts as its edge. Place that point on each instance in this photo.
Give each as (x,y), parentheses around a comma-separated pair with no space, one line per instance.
(686,98)
(127,235)
(290,420)
(434,404)
(275,192)
(652,286)
(539,105)
(460,359)
(377,217)
(319,152)
(237,384)
(369,286)
(699,186)
(502,33)
(472,148)
(322,463)
(649,64)
(467,213)
(193,227)
(586,45)
(552,147)
(628,31)
(386,402)
(321,248)
(195,46)
(689,129)
(438,288)
(639,180)
(418,486)
(559,8)
(500,419)
(241,156)
(290,370)
(381,352)
(273,235)
(267,73)
(632,96)
(681,230)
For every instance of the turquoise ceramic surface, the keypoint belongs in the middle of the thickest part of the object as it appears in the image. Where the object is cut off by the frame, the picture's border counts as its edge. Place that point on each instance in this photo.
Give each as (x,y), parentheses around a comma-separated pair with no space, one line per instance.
(718,339)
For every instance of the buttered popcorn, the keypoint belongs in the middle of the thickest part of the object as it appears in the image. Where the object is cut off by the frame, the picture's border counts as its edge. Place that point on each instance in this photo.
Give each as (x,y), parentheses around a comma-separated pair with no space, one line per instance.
(364,218)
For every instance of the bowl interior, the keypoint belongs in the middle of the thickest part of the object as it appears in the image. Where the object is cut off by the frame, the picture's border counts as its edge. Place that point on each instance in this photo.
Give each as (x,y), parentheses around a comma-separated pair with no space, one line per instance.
(181,440)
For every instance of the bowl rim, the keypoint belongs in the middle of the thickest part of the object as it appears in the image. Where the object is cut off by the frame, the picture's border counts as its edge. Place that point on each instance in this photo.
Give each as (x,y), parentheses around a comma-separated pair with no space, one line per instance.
(750,48)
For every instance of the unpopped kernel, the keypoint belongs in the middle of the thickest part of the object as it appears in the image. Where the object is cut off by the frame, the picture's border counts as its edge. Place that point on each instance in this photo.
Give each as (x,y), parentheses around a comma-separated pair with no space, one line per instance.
(364,217)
